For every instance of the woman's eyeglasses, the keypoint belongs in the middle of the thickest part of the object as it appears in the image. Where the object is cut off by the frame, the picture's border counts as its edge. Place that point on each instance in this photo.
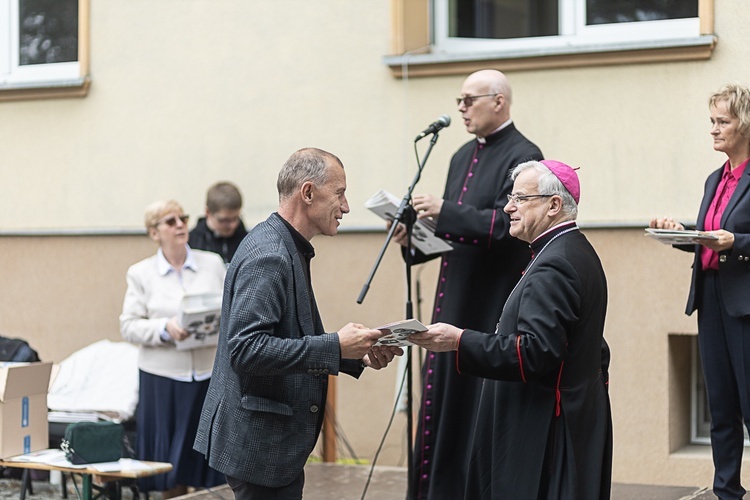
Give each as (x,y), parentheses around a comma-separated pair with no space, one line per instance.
(171,221)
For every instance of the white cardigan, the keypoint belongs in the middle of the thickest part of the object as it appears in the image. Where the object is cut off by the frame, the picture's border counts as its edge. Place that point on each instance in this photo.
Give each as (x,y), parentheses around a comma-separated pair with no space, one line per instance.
(153,297)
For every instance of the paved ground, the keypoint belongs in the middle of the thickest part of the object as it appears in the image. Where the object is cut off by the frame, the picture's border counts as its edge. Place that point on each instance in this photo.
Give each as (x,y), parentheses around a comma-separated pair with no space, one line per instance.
(347,482)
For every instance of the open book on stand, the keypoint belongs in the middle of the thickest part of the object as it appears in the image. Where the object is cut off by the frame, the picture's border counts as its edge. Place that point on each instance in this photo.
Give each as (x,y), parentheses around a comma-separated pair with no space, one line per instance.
(397,334)
(199,315)
(423,236)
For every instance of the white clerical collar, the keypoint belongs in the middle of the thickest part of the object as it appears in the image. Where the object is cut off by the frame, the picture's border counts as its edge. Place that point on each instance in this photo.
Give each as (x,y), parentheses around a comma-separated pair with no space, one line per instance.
(482,140)
(571,223)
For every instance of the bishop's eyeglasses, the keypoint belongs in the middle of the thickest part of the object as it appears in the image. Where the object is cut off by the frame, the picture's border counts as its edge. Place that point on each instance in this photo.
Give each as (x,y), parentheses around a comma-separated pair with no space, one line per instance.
(520,199)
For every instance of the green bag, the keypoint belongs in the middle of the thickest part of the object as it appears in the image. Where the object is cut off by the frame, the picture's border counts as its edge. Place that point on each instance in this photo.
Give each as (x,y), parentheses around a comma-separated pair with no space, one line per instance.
(92,442)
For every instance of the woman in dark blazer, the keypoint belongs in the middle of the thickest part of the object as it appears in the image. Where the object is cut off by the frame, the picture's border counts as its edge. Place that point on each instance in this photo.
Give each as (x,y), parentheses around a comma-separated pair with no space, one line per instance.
(720,289)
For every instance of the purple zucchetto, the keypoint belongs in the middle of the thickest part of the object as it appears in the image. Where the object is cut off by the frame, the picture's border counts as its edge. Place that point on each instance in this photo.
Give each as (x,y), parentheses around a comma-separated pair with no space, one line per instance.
(567,176)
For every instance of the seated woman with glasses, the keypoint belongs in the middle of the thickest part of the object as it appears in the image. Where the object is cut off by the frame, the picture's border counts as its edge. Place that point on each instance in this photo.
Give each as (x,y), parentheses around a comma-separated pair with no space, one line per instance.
(173,382)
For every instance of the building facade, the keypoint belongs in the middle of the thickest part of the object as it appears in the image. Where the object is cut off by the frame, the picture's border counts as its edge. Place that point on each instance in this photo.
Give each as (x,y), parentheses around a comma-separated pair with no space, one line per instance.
(161,99)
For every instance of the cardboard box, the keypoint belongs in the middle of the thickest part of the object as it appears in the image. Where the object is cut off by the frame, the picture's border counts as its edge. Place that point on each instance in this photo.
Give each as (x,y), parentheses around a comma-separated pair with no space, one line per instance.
(23,408)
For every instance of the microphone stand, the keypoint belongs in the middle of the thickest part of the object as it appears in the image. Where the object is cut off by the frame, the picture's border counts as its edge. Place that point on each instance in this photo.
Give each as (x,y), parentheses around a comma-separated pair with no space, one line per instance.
(407,216)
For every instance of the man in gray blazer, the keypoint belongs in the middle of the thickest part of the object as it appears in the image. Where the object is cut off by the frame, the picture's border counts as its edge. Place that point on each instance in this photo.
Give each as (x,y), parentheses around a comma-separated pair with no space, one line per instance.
(264,407)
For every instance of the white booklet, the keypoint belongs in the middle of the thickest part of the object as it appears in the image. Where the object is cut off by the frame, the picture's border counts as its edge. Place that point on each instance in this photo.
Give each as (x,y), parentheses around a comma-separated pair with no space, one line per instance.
(423,236)
(674,237)
(200,315)
(397,334)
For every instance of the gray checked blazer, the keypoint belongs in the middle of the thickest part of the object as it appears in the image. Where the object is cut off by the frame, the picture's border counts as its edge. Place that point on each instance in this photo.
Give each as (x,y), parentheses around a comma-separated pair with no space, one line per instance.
(265,403)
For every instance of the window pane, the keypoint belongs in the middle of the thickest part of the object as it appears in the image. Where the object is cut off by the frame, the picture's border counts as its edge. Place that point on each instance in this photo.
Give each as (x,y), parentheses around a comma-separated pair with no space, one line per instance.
(48,31)
(502,18)
(703,417)
(627,11)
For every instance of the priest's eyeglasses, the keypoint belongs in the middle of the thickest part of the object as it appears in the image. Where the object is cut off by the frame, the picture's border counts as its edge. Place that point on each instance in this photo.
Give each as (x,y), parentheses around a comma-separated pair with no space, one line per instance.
(468,100)
(520,199)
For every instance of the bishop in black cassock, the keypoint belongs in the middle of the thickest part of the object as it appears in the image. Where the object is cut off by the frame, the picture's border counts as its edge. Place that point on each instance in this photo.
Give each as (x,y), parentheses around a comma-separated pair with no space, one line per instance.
(543,428)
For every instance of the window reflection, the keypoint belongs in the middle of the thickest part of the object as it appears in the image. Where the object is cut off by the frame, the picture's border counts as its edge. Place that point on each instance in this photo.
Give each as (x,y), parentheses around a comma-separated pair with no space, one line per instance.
(628,11)
(48,31)
(503,18)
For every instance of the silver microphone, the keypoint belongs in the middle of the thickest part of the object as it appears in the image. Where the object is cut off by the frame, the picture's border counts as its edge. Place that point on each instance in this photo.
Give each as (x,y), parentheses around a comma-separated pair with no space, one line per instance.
(442,122)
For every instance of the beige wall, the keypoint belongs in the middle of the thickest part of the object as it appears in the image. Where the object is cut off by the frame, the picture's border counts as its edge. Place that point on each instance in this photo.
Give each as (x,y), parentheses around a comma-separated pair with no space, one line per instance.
(204,90)
(63,293)
(66,292)
(187,92)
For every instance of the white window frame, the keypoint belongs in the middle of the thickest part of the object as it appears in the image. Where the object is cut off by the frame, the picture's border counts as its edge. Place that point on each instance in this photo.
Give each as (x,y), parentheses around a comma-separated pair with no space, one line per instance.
(14,75)
(573,33)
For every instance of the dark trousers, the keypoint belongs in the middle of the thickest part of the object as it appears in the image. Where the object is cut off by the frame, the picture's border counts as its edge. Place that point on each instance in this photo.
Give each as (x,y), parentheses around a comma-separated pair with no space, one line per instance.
(725,353)
(247,491)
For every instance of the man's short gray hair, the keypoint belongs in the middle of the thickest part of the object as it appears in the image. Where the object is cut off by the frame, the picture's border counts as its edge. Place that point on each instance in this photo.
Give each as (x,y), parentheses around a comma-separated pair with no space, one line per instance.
(548,183)
(308,164)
